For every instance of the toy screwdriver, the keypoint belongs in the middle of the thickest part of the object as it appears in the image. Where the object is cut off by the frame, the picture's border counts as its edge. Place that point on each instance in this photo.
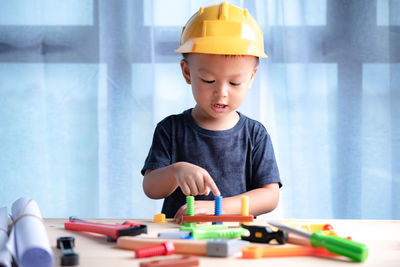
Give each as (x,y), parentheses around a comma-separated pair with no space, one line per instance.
(338,245)
(112,231)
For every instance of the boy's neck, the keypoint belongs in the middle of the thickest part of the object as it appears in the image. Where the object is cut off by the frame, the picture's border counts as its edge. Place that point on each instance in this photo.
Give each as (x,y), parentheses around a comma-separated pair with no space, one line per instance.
(215,124)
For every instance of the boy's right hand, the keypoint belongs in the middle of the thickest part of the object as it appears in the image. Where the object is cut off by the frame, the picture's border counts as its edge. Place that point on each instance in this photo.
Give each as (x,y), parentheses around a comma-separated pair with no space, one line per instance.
(194,180)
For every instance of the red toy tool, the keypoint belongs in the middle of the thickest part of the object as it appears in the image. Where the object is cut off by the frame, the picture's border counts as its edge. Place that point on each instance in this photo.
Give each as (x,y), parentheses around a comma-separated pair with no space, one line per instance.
(165,248)
(112,231)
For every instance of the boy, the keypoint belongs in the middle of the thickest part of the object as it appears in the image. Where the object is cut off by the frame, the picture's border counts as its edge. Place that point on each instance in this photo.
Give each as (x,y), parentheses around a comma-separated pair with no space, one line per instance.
(212,147)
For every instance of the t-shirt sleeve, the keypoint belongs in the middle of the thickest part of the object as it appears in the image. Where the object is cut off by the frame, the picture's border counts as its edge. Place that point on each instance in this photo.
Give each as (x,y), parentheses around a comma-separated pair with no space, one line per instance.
(265,168)
(159,155)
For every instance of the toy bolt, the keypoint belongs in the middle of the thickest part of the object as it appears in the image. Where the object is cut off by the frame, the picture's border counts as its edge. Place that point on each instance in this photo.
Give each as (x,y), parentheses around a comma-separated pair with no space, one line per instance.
(165,248)
(218,208)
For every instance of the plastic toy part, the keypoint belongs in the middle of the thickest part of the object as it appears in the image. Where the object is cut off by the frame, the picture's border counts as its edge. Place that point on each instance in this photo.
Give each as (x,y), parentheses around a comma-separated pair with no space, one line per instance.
(223,233)
(182,246)
(218,208)
(203,227)
(264,234)
(189,211)
(327,229)
(112,231)
(222,29)
(175,262)
(220,218)
(213,247)
(218,205)
(189,205)
(68,256)
(245,207)
(256,252)
(341,246)
(224,247)
(165,248)
(159,218)
(174,234)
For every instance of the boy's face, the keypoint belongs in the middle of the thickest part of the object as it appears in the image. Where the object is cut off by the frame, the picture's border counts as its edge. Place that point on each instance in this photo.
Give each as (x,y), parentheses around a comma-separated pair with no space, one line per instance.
(219,84)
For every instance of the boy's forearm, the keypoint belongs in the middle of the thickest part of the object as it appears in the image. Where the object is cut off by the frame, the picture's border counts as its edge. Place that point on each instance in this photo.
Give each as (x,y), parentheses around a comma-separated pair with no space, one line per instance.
(159,183)
(261,200)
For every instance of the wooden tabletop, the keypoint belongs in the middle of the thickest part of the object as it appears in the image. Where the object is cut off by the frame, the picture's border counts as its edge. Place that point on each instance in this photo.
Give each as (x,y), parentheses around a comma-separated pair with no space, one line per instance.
(381,236)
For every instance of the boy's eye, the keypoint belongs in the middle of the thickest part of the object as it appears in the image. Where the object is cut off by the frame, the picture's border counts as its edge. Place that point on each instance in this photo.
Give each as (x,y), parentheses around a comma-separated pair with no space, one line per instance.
(235,84)
(208,81)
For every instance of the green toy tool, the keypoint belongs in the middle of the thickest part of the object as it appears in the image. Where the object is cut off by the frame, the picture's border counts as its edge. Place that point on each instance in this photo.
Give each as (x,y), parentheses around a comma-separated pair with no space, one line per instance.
(338,245)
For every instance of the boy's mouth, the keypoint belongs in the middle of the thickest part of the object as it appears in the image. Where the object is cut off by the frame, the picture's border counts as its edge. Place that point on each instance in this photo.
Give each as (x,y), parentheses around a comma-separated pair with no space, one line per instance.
(219,107)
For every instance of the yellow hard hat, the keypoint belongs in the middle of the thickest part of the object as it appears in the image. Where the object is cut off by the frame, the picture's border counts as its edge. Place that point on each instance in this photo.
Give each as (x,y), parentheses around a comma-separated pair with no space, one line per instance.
(222,29)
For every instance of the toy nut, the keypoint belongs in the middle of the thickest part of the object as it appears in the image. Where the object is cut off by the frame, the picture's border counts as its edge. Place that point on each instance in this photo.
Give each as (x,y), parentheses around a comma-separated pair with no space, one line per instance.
(159,218)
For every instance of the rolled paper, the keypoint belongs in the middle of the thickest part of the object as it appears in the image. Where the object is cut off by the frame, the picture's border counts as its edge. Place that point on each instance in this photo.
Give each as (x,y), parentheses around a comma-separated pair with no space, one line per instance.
(5,256)
(28,242)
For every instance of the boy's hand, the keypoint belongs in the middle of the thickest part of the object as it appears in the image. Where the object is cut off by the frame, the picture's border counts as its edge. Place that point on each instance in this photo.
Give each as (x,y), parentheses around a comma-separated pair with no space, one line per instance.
(200,207)
(194,180)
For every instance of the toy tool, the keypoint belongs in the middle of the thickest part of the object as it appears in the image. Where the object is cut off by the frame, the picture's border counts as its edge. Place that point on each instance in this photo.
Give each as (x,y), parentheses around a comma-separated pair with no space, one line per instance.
(264,234)
(182,246)
(218,208)
(218,233)
(223,247)
(213,247)
(218,218)
(68,256)
(183,261)
(165,248)
(112,231)
(174,235)
(244,217)
(255,252)
(342,246)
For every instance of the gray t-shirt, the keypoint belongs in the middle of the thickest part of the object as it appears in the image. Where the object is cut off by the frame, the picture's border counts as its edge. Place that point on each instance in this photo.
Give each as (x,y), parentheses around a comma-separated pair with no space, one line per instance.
(239,159)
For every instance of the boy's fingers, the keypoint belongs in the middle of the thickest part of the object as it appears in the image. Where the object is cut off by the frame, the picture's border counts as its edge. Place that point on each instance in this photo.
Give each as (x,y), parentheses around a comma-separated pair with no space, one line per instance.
(209,182)
(201,188)
(207,191)
(193,188)
(179,214)
(185,189)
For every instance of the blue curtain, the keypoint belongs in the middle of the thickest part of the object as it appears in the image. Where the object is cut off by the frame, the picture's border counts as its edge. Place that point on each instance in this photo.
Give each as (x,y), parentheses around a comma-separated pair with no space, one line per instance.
(84,82)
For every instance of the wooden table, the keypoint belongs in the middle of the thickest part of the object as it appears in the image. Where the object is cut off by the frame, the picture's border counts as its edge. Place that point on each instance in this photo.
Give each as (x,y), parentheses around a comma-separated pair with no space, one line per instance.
(381,237)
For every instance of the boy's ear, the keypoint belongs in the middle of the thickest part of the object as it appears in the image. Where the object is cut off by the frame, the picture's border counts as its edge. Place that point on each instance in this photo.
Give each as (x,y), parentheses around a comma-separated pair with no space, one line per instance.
(252,76)
(185,71)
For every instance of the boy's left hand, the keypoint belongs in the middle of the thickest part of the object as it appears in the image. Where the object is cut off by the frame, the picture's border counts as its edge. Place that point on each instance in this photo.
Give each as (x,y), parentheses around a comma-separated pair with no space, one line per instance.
(200,207)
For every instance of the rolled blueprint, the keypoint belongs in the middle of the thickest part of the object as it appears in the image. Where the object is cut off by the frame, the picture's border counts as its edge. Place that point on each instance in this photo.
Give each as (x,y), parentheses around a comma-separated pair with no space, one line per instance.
(28,242)
(5,256)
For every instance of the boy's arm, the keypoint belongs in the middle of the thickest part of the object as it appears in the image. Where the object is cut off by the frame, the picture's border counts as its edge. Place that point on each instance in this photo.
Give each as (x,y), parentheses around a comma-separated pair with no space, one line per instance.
(192,179)
(261,200)
(159,183)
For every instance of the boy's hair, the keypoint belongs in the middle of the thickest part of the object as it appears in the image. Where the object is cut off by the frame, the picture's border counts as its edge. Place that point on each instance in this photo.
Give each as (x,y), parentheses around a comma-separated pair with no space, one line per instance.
(186,56)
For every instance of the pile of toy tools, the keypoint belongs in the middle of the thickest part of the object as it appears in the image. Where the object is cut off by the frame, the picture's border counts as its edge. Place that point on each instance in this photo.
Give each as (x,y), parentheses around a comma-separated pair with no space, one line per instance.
(219,240)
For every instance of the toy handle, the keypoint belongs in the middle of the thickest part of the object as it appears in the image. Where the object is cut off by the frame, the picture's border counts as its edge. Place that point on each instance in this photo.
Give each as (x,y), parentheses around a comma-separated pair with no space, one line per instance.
(341,246)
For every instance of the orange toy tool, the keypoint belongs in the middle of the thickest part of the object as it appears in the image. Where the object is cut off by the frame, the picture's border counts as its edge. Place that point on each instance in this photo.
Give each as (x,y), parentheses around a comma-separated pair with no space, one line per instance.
(256,252)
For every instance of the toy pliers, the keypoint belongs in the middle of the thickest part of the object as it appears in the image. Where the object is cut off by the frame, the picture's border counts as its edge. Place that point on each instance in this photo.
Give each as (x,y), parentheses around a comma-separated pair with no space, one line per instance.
(264,234)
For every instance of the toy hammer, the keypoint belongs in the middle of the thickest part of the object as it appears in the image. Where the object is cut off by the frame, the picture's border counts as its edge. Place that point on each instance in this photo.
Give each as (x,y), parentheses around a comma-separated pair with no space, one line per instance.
(212,247)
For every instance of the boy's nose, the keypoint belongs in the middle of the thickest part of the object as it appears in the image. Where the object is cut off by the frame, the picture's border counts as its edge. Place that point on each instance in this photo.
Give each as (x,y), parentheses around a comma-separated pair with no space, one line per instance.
(221,90)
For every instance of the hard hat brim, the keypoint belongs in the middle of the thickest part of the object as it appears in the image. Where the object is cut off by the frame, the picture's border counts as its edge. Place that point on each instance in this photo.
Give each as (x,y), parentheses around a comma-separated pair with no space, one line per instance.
(229,46)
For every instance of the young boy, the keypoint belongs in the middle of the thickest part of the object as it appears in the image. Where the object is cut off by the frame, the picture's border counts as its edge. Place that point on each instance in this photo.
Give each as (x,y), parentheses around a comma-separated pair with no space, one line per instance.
(212,148)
